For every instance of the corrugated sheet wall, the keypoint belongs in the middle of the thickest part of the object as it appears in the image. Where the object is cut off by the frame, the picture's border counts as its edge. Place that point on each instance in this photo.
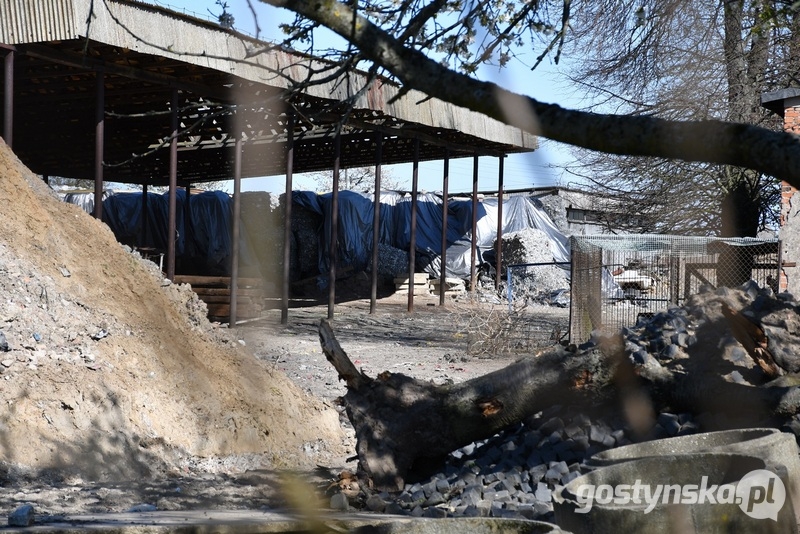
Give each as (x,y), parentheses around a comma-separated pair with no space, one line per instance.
(30,21)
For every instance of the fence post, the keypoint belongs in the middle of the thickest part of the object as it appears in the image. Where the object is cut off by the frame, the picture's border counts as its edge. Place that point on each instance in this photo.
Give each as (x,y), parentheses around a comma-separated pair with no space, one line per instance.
(509,291)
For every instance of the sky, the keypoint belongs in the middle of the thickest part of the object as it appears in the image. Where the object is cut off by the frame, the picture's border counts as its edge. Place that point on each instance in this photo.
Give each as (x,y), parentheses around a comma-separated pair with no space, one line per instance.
(521,171)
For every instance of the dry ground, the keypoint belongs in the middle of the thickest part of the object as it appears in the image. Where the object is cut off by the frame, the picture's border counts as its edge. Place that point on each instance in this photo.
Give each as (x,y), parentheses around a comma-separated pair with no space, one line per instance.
(116,391)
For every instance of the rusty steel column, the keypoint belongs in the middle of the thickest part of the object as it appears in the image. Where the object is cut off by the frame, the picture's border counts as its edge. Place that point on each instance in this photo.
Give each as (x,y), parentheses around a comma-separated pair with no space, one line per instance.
(235,228)
(287,221)
(474,241)
(334,235)
(173,186)
(187,215)
(145,224)
(376,223)
(445,187)
(412,246)
(99,138)
(499,240)
(8,100)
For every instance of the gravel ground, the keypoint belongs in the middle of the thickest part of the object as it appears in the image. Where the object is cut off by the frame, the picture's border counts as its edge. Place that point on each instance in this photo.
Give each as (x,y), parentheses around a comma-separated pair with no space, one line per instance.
(510,475)
(513,474)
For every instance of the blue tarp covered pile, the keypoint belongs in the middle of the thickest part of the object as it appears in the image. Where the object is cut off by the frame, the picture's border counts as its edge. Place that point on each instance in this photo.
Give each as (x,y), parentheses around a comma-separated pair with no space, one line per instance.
(355,228)
(203,244)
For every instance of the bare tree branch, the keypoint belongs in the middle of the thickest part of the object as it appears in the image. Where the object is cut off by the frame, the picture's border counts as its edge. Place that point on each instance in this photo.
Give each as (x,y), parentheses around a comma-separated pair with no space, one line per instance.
(773,153)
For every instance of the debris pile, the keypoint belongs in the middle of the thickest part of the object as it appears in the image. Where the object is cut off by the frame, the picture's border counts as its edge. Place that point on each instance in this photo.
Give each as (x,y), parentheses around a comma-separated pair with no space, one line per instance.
(534,283)
(111,372)
(514,473)
(304,260)
(391,261)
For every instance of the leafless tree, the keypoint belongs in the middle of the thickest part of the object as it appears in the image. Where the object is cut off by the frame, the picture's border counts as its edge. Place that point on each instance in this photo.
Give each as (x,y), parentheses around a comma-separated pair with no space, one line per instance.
(356,179)
(428,47)
(684,61)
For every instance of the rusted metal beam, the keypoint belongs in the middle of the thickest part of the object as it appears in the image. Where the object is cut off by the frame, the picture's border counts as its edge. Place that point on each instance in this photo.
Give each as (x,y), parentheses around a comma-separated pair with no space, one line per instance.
(145,225)
(498,249)
(99,139)
(81,61)
(376,222)
(173,186)
(235,229)
(334,236)
(8,99)
(409,131)
(474,240)
(412,246)
(445,187)
(287,221)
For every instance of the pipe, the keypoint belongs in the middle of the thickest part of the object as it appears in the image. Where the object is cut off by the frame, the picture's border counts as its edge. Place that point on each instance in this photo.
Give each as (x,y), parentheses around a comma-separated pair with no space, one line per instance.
(412,246)
(287,221)
(474,240)
(145,224)
(445,187)
(8,100)
(376,220)
(499,241)
(235,228)
(173,186)
(334,236)
(99,138)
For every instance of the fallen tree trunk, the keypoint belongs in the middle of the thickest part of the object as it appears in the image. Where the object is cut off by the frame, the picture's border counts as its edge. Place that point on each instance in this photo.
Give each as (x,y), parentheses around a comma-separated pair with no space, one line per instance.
(401,422)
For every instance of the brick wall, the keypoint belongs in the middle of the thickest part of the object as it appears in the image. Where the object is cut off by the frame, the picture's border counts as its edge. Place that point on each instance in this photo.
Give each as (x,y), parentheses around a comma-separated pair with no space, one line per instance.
(791,123)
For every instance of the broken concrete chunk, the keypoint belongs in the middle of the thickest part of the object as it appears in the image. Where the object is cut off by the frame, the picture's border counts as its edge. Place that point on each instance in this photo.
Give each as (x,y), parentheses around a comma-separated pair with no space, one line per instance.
(142,508)
(21,517)
(100,335)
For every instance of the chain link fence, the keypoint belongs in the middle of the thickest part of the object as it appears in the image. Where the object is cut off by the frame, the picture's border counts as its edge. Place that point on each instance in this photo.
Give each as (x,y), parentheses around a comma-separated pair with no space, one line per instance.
(616,280)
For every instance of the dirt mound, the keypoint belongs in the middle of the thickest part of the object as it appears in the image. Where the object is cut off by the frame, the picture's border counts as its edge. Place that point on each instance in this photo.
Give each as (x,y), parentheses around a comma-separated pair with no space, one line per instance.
(111,373)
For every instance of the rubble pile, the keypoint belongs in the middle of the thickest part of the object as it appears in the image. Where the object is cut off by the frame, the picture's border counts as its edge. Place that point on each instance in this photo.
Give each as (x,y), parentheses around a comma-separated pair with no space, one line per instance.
(536,283)
(391,261)
(109,371)
(514,473)
(304,260)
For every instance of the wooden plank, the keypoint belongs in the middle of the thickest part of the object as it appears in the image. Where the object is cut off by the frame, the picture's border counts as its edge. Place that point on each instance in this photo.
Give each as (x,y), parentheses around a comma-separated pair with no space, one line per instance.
(224,281)
(224,291)
(224,310)
(221,298)
(450,282)
(419,278)
(417,287)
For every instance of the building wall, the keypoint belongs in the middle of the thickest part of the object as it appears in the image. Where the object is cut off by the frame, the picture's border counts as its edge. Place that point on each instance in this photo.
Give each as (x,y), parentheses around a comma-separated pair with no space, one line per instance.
(790,211)
(573,212)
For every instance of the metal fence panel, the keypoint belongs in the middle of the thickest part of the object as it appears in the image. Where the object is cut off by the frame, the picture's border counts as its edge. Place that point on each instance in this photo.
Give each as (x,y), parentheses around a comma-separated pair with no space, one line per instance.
(616,280)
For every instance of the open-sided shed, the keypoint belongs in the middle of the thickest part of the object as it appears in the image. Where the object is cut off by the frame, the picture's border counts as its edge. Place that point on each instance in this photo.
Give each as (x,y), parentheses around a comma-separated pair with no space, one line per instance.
(121,90)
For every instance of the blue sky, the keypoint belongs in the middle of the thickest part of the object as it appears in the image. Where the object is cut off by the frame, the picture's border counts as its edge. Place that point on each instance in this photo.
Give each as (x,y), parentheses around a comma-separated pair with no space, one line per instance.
(520,170)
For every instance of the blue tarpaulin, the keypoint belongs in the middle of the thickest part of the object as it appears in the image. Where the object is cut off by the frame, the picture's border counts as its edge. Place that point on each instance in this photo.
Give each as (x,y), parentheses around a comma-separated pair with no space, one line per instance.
(202,247)
(355,227)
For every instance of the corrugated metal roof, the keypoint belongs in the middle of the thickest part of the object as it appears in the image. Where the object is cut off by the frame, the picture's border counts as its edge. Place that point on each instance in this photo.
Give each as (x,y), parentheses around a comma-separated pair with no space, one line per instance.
(147,55)
(36,21)
(150,30)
